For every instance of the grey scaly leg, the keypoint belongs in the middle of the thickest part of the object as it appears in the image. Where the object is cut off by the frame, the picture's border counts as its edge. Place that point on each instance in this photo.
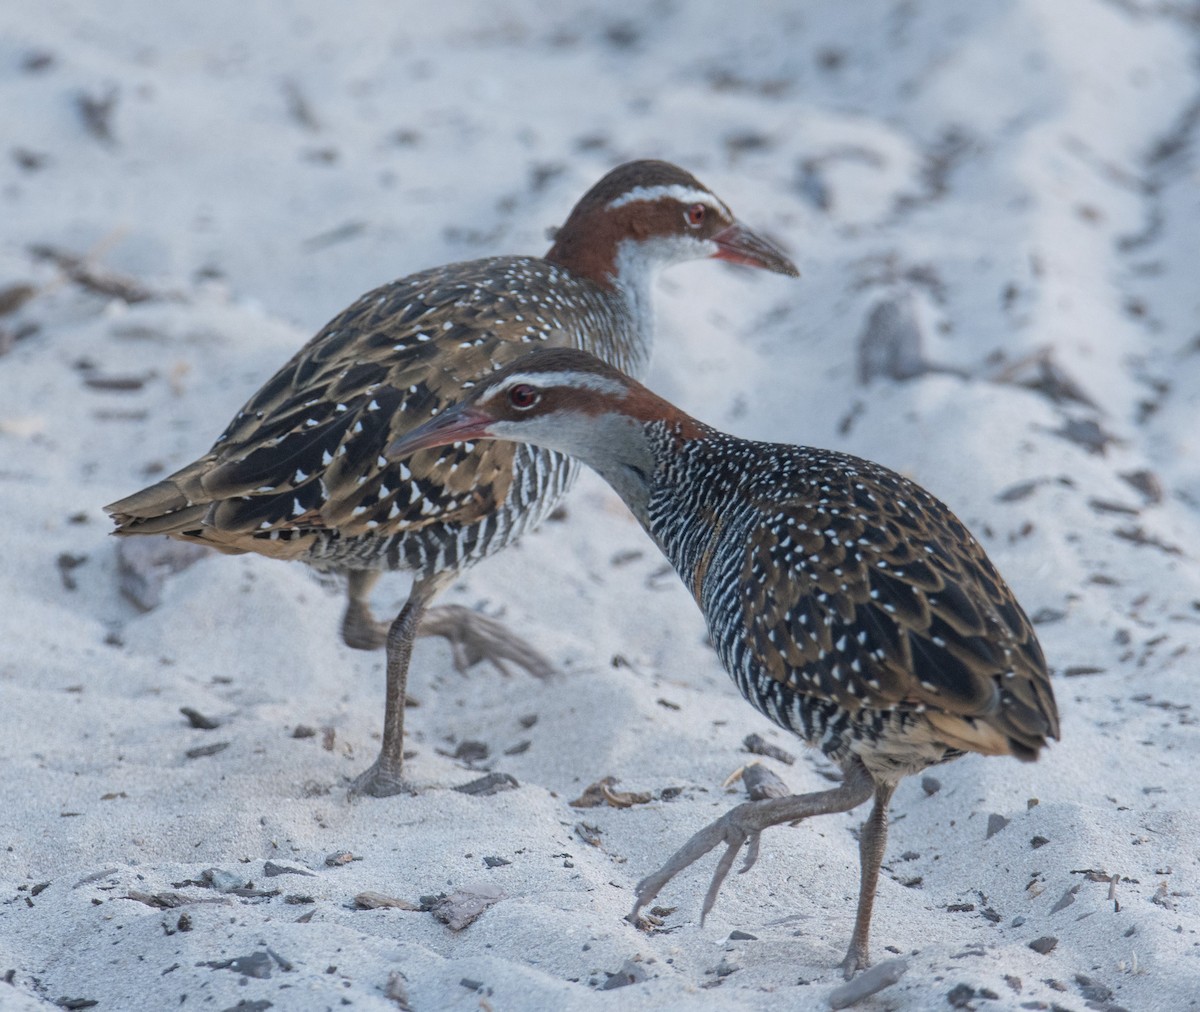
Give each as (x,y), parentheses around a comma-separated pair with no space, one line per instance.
(383,778)
(871,844)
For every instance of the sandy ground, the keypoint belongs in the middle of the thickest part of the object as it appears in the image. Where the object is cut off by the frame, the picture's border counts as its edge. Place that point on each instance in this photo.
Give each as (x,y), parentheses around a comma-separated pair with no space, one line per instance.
(994,208)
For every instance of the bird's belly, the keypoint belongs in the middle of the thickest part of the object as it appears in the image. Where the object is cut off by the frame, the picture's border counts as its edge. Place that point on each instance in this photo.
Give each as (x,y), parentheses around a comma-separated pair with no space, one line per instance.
(893,744)
(890,743)
(445,545)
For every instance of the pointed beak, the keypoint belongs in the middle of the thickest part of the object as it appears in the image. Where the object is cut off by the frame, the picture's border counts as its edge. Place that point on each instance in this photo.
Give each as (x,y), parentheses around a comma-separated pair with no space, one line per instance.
(739,245)
(459,423)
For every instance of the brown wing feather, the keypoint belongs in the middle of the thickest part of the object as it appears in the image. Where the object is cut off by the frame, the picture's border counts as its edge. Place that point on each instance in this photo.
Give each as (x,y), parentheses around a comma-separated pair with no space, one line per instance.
(886,600)
(305,452)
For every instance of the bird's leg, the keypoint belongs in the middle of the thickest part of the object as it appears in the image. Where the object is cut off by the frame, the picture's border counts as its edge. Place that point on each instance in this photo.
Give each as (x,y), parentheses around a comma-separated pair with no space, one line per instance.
(474,637)
(743,825)
(383,777)
(871,844)
(360,629)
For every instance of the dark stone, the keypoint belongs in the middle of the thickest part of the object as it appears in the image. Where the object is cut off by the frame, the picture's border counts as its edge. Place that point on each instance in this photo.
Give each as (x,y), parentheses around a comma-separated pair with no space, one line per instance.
(493,783)
(960,995)
(258,964)
(630,973)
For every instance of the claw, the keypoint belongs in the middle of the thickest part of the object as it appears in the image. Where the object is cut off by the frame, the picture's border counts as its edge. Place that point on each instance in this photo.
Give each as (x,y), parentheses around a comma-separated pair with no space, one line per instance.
(751,853)
(856,959)
(379,781)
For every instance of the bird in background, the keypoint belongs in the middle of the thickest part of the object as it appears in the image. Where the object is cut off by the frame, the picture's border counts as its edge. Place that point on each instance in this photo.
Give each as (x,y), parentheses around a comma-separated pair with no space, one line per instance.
(300,473)
(849,605)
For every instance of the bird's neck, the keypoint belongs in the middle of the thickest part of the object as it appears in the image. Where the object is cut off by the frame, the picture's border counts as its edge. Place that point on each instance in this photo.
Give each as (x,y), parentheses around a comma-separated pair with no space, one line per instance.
(626,268)
(652,466)
(627,451)
(635,269)
(698,495)
(619,449)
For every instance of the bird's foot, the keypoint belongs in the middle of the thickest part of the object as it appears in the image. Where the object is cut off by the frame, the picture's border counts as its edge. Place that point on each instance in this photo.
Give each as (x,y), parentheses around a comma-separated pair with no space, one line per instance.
(738,826)
(474,637)
(857,958)
(382,779)
(361,630)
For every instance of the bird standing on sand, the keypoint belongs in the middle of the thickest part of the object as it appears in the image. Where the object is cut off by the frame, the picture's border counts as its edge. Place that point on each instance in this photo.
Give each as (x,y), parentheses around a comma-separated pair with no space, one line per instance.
(849,605)
(299,472)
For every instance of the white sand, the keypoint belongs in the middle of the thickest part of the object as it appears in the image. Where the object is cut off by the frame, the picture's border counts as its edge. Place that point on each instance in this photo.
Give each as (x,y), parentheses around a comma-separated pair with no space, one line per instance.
(1026,170)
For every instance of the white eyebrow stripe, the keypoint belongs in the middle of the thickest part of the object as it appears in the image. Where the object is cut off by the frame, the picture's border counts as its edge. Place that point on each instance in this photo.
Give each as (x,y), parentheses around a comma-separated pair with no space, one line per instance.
(684,194)
(545,380)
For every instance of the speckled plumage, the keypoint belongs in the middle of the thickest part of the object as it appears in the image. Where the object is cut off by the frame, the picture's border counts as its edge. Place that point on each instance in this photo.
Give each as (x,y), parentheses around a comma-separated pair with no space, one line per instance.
(849,605)
(299,472)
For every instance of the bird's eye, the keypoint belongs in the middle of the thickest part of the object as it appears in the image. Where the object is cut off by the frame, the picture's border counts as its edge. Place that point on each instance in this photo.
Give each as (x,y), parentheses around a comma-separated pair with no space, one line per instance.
(523,396)
(695,215)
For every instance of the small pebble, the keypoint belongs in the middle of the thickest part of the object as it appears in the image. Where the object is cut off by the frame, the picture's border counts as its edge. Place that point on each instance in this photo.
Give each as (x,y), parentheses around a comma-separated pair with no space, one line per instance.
(1093,990)
(1065,900)
(397,991)
(995,824)
(762,783)
(870,981)
(197,720)
(340,857)
(258,965)
(223,881)
(493,783)
(378,901)
(630,973)
(461,908)
(271,869)
(758,745)
(205,750)
(960,996)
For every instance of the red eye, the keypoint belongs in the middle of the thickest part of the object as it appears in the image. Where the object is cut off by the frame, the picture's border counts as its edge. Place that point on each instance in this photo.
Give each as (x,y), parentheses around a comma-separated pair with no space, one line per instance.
(695,215)
(523,396)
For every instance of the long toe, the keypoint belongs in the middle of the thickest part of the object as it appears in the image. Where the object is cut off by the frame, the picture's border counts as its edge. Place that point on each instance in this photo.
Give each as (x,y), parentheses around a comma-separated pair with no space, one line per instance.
(474,637)
(727,830)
